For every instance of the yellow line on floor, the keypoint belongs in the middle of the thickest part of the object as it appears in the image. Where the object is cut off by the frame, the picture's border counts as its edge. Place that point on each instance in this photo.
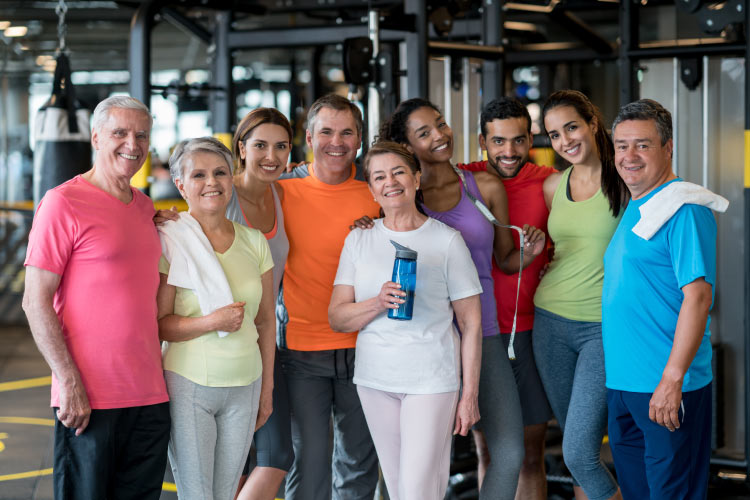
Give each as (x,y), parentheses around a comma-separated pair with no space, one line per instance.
(48,472)
(26,475)
(50,422)
(25,383)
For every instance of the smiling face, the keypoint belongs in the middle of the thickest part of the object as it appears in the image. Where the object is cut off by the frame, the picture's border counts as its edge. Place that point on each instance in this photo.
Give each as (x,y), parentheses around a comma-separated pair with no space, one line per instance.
(206,183)
(121,142)
(571,136)
(265,152)
(640,158)
(392,182)
(430,138)
(334,140)
(507,144)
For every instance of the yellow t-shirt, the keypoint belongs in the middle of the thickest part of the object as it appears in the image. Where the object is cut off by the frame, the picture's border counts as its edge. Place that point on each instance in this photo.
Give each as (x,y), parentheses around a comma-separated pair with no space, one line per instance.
(234,360)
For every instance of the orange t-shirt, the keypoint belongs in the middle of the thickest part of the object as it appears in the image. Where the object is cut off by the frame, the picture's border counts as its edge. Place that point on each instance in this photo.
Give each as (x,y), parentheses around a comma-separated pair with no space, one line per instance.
(317,217)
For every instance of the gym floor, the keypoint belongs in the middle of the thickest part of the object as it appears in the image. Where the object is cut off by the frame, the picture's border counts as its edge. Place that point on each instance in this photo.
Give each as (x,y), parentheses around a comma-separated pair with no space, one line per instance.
(26,421)
(26,429)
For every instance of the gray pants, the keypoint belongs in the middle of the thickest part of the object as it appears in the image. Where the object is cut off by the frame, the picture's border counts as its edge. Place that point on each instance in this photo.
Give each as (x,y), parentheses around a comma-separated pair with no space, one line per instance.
(501,421)
(212,428)
(320,384)
(570,359)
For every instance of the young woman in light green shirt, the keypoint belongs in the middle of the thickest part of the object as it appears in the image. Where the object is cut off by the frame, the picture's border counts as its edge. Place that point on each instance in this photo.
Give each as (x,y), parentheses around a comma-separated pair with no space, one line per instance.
(586,202)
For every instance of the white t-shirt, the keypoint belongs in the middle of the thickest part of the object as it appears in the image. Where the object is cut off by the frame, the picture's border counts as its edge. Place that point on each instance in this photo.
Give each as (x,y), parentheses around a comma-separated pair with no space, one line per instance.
(419,356)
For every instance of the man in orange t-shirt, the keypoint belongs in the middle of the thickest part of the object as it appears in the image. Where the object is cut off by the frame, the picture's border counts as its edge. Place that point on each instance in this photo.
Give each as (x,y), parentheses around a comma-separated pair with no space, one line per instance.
(320,201)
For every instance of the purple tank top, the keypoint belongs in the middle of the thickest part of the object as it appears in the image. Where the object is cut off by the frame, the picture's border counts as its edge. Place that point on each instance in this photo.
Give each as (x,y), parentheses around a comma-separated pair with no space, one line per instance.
(478,233)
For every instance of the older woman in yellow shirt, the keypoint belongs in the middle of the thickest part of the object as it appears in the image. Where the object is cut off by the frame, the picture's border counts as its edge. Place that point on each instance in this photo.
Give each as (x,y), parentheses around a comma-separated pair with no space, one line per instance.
(217,395)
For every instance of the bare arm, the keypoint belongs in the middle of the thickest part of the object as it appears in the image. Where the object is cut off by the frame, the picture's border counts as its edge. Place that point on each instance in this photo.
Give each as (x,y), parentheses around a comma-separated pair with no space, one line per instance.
(469,315)
(176,328)
(550,186)
(265,323)
(507,256)
(691,324)
(40,288)
(345,315)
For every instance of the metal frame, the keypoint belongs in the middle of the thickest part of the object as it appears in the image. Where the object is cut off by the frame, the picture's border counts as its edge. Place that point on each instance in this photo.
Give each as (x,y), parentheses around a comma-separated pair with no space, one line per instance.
(222,103)
(746,221)
(493,71)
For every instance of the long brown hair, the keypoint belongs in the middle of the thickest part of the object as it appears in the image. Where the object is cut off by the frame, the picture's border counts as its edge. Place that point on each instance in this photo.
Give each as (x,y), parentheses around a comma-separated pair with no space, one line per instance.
(253,120)
(611,183)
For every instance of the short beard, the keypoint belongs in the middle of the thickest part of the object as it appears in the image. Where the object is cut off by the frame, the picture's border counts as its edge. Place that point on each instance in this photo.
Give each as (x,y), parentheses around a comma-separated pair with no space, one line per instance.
(500,172)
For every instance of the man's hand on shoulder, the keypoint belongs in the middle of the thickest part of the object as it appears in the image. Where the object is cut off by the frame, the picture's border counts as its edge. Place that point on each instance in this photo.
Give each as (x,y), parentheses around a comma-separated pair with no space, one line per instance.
(75,410)
(163,216)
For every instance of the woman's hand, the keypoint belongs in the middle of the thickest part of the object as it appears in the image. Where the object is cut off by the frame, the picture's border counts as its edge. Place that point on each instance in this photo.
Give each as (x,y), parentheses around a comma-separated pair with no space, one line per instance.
(363,222)
(390,296)
(229,318)
(533,241)
(266,406)
(163,216)
(467,414)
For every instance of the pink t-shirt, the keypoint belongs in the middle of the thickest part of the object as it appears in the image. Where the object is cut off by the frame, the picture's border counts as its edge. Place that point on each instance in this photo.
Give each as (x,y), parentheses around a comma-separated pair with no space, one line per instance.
(107,254)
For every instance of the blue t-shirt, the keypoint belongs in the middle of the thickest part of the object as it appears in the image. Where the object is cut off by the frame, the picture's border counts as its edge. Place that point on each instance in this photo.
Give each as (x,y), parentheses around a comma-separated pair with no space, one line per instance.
(642,295)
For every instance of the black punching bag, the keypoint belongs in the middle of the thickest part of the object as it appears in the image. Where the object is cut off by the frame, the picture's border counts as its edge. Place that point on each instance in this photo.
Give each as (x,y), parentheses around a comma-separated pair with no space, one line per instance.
(62,135)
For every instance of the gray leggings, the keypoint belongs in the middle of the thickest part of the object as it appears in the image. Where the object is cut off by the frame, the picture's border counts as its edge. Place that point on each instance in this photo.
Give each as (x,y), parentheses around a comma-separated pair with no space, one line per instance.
(570,360)
(212,428)
(501,421)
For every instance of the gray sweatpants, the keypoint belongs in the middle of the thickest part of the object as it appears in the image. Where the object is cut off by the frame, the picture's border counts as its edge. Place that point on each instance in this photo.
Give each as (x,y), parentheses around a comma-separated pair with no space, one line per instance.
(212,428)
(320,387)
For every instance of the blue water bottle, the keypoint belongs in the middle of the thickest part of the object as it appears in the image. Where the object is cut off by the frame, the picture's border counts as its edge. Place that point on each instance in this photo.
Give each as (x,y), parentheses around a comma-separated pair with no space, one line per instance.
(405,274)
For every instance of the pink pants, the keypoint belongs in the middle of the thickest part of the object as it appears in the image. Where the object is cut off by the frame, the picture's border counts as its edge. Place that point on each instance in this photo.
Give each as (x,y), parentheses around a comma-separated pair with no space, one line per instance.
(412,436)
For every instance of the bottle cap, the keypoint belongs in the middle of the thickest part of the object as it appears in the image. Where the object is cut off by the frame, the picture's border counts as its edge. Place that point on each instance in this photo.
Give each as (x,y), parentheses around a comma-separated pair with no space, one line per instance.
(403,252)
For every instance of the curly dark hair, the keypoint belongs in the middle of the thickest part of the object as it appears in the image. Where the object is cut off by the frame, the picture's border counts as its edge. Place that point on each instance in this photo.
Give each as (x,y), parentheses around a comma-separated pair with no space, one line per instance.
(394,128)
(612,185)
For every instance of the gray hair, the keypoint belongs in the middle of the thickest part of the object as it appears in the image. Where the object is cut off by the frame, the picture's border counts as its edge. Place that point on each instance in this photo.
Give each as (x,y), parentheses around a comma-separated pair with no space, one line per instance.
(338,103)
(185,150)
(102,110)
(647,109)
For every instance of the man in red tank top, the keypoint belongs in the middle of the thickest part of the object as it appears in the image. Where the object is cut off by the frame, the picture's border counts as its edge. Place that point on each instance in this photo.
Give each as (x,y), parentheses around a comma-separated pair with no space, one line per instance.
(506,137)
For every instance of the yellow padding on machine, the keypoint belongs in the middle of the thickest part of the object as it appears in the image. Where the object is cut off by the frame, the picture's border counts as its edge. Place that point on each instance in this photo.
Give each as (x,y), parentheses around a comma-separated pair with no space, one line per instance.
(225,138)
(747,158)
(140,179)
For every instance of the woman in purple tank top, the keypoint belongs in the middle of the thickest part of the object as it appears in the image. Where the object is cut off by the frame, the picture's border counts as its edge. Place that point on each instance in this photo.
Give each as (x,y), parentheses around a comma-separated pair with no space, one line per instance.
(419,125)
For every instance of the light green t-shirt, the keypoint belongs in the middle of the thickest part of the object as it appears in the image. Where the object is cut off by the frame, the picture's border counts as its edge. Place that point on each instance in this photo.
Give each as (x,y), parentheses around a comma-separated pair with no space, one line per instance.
(580,230)
(233,360)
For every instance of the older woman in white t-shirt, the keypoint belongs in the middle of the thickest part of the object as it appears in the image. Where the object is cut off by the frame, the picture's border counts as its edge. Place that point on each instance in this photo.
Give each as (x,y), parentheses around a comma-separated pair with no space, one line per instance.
(408,372)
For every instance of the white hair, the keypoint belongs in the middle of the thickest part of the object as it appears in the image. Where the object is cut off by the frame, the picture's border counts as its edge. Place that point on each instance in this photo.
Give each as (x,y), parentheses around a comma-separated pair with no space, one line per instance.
(101,113)
(185,149)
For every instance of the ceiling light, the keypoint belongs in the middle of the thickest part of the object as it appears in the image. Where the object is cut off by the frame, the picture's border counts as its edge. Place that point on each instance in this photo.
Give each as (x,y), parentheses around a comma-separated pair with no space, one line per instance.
(4,24)
(15,31)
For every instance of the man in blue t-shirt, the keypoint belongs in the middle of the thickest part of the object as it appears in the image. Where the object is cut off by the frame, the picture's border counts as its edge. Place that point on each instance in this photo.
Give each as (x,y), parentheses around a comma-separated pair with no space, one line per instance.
(655,303)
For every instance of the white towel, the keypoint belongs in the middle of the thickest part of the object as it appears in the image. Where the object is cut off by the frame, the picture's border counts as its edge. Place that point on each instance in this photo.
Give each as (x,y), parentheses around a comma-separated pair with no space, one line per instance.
(664,204)
(194,265)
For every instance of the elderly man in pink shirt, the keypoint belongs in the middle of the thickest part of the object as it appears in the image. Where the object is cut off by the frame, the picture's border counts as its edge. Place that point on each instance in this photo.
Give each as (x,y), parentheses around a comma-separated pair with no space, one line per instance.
(90,298)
